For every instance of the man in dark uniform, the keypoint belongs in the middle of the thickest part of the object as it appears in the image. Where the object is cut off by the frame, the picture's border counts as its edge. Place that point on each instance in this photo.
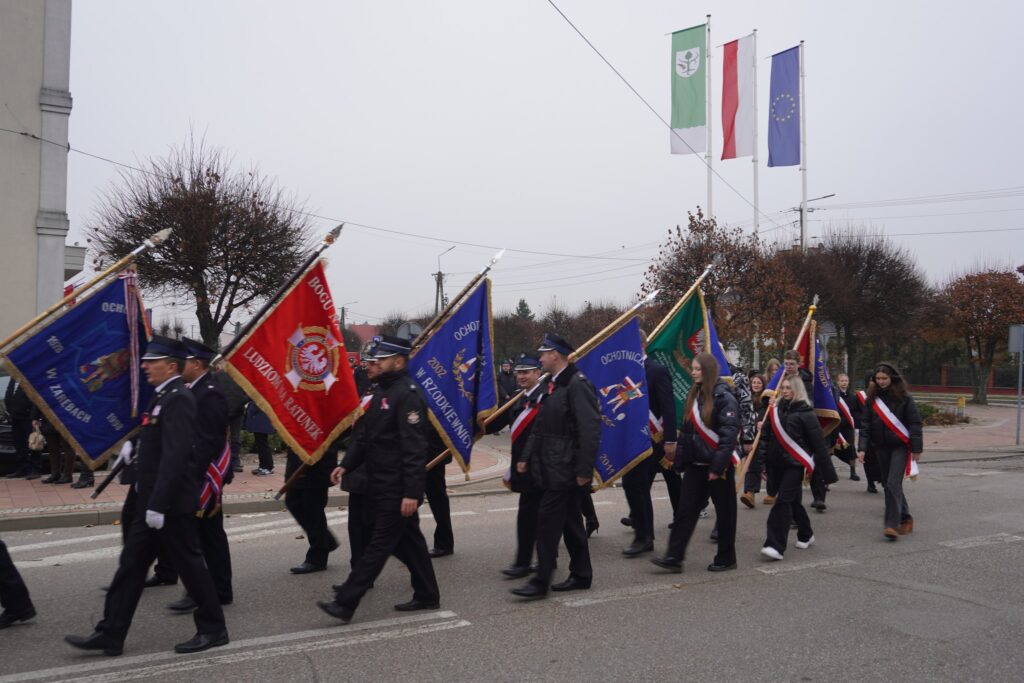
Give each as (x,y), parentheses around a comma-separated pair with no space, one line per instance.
(306,500)
(164,520)
(208,451)
(560,455)
(394,451)
(19,410)
(14,597)
(637,482)
(436,490)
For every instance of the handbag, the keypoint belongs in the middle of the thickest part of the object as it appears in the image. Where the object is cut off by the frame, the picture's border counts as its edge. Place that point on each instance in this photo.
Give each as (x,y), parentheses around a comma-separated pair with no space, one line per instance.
(36,440)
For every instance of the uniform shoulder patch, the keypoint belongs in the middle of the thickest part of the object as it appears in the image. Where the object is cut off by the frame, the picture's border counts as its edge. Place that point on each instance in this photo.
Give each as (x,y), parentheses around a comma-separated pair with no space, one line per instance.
(413,417)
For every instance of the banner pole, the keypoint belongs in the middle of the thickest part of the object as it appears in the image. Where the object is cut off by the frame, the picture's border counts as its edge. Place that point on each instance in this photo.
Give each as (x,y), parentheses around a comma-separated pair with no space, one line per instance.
(682,300)
(757,217)
(153,242)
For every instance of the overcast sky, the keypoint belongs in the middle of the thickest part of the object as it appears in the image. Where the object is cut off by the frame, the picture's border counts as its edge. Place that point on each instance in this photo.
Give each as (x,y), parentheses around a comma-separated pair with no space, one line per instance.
(494,123)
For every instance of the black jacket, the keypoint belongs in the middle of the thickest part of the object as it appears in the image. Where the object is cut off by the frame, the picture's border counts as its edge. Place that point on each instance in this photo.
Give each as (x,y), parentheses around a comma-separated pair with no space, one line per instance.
(566,432)
(316,476)
(874,432)
(392,439)
(662,402)
(16,402)
(507,386)
(234,396)
(801,423)
(521,482)
(211,428)
(166,469)
(725,421)
(358,481)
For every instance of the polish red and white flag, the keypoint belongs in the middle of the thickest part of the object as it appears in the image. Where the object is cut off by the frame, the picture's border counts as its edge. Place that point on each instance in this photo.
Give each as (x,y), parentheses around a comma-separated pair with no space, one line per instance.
(738,98)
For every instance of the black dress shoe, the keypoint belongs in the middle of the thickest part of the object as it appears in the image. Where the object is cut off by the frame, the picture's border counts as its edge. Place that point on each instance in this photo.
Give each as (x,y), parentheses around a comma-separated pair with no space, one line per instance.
(52,479)
(573,583)
(32,475)
(307,568)
(186,604)
(819,505)
(515,571)
(440,552)
(337,611)
(592,526)
(714,535)
(64,479)
(872,488)
(638,548)
(415,604)
(713,567)
(10,617)
(97,641)
(155,580)
(673,564)
(17,474)
(626,521)
(84,483)
(202,641)
(530,591)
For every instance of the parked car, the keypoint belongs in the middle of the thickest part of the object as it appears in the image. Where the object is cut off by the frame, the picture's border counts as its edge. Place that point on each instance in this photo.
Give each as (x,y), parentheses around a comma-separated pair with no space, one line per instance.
(8,458)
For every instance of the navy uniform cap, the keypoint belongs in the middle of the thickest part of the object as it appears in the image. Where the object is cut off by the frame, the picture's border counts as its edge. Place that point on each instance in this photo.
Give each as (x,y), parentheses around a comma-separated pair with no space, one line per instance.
(198,350)
(388,346)
(164,347)
(552,342)
(527,363)
(368,352)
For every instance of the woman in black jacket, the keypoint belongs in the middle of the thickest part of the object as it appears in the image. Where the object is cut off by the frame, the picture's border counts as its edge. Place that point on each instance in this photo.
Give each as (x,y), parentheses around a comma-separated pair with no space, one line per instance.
(891,425)
(705,446)
(787,456)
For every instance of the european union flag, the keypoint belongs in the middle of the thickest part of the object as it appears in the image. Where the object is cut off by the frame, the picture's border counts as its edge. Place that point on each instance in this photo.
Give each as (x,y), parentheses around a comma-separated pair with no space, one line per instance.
(82,370)
(616,367)
(784,109)
(455,370)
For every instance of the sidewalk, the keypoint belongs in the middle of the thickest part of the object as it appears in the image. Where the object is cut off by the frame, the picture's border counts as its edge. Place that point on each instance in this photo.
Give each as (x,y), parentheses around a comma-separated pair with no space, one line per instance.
(992,431)
(34,505)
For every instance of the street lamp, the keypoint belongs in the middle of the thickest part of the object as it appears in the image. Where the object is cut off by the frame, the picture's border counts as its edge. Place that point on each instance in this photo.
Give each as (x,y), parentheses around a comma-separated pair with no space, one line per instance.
(342,317)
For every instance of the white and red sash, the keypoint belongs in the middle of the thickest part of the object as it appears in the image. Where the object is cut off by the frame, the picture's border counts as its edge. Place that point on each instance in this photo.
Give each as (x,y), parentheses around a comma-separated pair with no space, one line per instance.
(845,411)
(708,435)
(788,443)
(862,396)
(656,427)
(213,483)
(364,402)
(523,420)
(895,426)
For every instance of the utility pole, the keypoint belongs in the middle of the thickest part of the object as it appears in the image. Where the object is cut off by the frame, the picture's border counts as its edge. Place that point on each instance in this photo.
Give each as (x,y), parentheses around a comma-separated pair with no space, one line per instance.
(440,301)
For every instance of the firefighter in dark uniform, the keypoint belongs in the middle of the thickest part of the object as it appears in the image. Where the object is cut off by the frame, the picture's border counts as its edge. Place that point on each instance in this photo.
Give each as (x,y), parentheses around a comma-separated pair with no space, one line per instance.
(560,455)
(436,491)
(306,500)
(165,512)
(211,442)
(394,452)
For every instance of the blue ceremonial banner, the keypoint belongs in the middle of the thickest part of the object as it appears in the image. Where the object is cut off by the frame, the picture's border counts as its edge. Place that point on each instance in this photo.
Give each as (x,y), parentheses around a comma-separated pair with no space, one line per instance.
(455,370)
(715,346)
(825,406)
(82,369)
(784,109)
(616,367)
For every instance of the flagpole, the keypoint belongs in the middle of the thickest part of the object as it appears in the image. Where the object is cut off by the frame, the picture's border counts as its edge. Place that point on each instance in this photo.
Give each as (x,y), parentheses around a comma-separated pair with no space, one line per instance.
(682,300)
(421,338)
(707,98)
(584,348)
(803,156)
(152,242)
(757,217)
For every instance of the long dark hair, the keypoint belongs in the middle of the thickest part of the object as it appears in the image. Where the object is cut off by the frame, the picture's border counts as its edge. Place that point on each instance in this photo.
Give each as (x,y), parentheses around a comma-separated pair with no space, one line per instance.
(897,388)
(756,395)
(708,380)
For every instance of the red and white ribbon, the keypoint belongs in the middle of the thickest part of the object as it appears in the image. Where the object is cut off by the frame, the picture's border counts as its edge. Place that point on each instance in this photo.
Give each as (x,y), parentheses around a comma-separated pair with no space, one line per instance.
(862,396)
(656,427)
(709,436)
(895,426)
(788,442)
(845,410)
(523,421)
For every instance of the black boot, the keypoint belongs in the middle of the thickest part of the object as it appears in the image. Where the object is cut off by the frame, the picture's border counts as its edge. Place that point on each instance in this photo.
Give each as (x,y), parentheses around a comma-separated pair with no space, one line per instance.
(853,473)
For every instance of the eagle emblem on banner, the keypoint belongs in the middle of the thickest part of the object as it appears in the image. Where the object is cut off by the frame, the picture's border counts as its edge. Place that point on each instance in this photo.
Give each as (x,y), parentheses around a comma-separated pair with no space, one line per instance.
(313,358)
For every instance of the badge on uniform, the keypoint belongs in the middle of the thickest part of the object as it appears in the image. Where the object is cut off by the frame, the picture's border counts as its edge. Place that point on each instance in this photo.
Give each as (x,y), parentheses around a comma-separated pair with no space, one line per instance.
(156,410)
(414,417)
(384,404)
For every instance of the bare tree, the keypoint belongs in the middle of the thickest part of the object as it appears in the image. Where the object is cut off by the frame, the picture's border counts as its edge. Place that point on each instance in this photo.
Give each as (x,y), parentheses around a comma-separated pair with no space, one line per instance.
(235,235)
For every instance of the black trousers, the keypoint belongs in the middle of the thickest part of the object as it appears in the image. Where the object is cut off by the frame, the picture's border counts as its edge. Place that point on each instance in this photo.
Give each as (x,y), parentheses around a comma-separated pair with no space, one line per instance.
(266,456)
(893,464)
(307,507)
(752,479)
(673,482)
(163,569)
(818,488)
(526,526)
(28,460)
(559,515)
(213,542)
(235,439)
(587,505)
(436,492)
(788,481)
(179,540)
(872,469)
(14,596)
(360,525)
(395,535)
(694,494)
(636,484)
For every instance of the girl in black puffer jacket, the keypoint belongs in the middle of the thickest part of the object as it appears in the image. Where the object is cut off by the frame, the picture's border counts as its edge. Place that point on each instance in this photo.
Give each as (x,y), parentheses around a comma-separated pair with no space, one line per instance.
(787,457)
(704,453)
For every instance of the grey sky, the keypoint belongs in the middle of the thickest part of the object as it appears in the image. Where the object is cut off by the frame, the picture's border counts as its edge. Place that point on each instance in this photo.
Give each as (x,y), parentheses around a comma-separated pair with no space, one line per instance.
(492,122)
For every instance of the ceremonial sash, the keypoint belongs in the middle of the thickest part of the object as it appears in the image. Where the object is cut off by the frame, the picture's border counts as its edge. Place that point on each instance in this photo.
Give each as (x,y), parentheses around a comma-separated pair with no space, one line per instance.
(845,410)
(524,420)
(895,426)
(862,396)
(842,441)
(364,402)
(213,485)
(709,436)
(788,443)
(654,424)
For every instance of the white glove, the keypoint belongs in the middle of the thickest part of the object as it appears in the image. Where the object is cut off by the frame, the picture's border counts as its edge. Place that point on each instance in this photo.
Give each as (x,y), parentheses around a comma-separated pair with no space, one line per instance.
(125,456)
(154,520)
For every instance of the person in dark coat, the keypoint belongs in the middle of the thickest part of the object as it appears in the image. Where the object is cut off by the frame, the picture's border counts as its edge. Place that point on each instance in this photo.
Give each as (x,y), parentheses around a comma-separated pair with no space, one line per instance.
(306,500)
(785,470)
(892,424)
(436,491)
(237,401)
(14,598)
(261,428)
(636,483)
(704,453)
(394,453)
(560,456)
(870,463)
(19,412)
(752,478)
(507,384)
(164,519)
(62,456)
(844,439)
(357,482)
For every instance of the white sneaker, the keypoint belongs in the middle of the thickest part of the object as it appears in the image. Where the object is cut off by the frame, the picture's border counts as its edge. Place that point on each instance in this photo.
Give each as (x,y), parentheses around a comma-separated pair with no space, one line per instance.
(771,553)
(804,545)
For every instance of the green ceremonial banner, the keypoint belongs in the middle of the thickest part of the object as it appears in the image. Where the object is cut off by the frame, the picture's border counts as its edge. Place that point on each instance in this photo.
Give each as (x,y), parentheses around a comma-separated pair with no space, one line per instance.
(689,90)
(676,343)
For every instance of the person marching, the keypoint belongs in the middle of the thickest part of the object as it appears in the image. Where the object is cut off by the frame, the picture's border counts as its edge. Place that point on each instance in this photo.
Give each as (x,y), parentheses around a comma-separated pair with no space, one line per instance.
(14,598)
(560,457)
(870,462)
(845,437)
(211,452)
(436,491)
(164,517)
(752,479)
(791,442)
(393,448)
(704,452)
(892,425)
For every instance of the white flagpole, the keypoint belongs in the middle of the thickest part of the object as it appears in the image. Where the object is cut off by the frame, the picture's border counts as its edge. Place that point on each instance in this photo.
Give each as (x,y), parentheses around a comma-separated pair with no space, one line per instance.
(803,155)
(754,159)
(707,97)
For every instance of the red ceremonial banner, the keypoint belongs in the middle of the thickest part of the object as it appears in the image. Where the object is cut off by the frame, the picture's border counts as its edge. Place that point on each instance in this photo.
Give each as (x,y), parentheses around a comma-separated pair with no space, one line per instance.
(293,364)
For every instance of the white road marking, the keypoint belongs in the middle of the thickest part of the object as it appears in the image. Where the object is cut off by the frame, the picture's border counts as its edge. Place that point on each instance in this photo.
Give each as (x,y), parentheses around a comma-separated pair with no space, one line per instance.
(598,597)
(978,541)
(515,509)
(145,666)
(784,568)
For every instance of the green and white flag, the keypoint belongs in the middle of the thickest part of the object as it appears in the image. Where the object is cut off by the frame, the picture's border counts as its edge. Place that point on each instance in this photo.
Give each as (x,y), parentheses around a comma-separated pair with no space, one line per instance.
(689,90)
(677,341)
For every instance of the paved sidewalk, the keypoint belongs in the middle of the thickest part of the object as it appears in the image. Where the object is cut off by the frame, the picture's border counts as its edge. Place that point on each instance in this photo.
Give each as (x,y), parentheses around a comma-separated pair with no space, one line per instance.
(992,430)
(32,504)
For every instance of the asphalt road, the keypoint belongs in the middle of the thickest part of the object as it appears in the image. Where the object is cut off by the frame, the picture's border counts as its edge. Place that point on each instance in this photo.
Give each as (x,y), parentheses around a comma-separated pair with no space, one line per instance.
(943,604)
